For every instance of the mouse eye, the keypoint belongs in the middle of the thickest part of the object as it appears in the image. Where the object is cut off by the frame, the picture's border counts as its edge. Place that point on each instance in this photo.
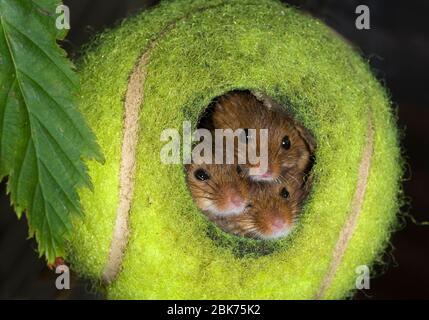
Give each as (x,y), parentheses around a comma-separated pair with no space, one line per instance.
(284,193)
(246,210)
(286,143)
(201,175)
(239,170)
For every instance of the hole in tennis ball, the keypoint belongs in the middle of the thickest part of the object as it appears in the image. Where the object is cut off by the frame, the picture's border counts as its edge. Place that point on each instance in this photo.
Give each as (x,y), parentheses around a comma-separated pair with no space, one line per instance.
(247,198)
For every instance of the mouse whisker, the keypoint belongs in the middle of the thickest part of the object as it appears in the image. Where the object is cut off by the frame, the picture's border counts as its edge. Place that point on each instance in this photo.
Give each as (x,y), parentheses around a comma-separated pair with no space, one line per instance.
(290,176)
(248,226)
(210,208)
(254,233)
(279,179)
(202,189)
(212,184)
(208,198)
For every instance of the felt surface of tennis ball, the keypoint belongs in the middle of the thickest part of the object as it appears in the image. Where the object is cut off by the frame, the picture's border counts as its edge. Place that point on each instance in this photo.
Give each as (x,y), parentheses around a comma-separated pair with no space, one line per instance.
(200,50)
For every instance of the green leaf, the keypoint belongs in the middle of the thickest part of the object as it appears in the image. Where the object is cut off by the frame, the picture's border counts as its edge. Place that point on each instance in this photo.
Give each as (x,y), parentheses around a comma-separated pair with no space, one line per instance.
(43,137)
(47,10)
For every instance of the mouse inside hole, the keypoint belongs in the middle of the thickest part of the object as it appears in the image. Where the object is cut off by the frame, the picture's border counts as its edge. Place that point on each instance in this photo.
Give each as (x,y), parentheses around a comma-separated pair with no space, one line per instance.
(238,197)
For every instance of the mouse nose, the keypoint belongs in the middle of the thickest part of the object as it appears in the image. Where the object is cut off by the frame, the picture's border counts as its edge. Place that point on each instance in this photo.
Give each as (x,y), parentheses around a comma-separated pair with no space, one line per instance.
(277,223)
(233,202)
(267,174)
(236,199)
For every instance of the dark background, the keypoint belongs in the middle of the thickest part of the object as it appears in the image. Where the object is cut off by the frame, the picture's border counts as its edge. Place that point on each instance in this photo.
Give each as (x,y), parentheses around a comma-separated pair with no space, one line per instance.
(397,47)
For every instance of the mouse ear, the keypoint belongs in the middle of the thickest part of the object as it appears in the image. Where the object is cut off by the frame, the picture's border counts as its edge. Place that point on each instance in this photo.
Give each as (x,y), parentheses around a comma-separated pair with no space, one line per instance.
(218,106)
(302,193)
(187,167)
(306,135)
(269,103)
(273,105)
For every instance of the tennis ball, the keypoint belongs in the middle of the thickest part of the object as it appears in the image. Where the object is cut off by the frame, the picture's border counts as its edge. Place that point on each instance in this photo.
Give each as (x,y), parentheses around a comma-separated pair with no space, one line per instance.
(143,237)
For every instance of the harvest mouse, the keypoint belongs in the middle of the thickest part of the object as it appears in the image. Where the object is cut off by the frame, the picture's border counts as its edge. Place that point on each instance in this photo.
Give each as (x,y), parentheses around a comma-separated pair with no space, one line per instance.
(271,214)
(289,145)
(218,189)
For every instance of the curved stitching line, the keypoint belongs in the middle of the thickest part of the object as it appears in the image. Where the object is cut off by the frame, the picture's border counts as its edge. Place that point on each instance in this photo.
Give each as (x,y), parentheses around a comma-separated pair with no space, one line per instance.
(349,227)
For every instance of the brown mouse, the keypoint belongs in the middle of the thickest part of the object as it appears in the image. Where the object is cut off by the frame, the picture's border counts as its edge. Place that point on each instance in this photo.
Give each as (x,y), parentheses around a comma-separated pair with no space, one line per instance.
(218,189)
(271,214)
(289,144)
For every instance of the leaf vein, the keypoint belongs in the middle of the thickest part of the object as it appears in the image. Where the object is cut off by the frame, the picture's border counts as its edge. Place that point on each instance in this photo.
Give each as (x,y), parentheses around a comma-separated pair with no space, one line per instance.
(54,101)
(48,170)
(41,50)
(3,119)
(45,129)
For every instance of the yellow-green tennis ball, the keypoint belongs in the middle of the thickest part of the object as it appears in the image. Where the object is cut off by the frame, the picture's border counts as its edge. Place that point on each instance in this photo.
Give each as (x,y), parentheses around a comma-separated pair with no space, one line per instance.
(142,235)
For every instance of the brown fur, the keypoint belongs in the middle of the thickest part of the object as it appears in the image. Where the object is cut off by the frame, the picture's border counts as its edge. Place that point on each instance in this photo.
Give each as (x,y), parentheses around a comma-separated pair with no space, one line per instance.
(224,179)
(266,204)
(242,110)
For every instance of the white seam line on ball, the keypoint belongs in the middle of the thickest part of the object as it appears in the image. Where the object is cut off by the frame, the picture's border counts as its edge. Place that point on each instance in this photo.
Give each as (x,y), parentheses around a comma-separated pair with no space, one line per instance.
(133,101)
(354,212)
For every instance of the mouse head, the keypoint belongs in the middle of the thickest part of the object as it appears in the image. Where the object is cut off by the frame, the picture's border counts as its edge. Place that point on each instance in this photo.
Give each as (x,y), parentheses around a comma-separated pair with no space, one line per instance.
(272,213)
(218,189)
(286,143)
